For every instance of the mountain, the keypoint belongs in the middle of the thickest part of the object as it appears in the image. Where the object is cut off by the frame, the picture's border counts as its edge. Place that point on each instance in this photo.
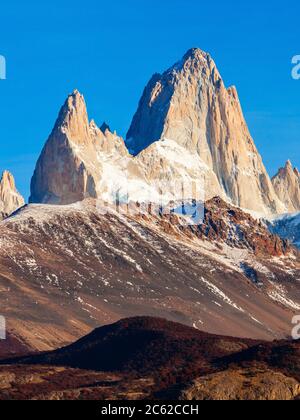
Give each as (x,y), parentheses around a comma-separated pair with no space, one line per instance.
(190,106)
(287,227)
(65,270)
(287,186)
(155,227)
(10,199)
(159,360)
(76,158)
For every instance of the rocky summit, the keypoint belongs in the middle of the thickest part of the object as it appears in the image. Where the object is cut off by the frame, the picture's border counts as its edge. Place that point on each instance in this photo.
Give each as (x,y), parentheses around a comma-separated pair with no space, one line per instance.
(72,162)
(190,105)
(10,199)
(67,269)
(287,186)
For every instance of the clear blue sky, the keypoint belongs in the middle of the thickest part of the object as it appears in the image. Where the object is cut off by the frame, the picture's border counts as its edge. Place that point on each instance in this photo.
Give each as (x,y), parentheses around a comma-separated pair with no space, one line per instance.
(109,49)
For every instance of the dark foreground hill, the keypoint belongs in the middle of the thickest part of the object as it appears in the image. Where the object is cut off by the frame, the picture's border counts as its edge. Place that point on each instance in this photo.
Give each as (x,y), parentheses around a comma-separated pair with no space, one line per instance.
(143,358)
(12,347)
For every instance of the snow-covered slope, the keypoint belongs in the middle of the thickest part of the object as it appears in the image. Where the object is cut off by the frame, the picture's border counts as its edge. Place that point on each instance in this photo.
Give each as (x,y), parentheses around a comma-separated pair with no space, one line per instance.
(80,161)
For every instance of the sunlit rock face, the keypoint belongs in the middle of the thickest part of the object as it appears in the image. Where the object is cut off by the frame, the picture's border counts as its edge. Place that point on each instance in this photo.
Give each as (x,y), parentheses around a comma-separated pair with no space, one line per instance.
(190,105)
(69,269)
(72,163)
(10,199)
(287,186)
(188,139)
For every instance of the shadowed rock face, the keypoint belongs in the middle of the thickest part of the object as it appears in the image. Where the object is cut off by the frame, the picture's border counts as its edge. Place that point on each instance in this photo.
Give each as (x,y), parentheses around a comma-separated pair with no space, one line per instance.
(10,199)
(287,186)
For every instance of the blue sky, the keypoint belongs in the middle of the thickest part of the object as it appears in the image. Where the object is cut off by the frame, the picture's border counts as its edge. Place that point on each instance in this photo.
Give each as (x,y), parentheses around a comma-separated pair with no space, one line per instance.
(109,49)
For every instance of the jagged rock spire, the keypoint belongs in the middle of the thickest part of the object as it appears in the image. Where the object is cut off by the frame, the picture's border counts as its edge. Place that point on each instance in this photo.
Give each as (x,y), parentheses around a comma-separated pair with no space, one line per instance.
(190,105)
(287,186)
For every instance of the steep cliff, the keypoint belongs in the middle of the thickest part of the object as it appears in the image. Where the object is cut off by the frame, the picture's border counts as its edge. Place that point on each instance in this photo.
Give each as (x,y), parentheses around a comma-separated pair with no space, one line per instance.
(287,186)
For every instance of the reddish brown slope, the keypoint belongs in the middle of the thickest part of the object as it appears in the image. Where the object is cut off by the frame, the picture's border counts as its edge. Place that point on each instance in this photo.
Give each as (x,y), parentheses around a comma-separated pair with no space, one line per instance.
(67,270)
